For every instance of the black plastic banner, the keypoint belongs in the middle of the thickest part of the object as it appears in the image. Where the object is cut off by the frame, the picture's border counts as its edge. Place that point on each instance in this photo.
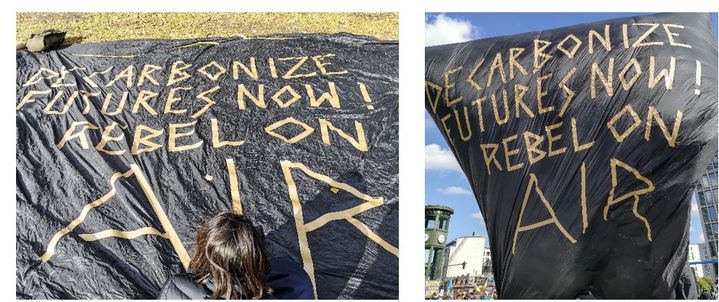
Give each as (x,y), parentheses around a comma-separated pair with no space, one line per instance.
(124,149)
(582,146)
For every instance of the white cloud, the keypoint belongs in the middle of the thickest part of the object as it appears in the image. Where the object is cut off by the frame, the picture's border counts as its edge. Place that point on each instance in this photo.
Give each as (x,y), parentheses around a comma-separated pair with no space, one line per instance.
(439,159)
(454,190)
(701,238)
(478,216)
(695,209)
(442,29)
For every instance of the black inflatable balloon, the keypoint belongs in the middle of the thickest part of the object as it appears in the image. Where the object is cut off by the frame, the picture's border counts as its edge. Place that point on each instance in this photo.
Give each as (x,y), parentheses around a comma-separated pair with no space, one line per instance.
(582,146)
(124,149)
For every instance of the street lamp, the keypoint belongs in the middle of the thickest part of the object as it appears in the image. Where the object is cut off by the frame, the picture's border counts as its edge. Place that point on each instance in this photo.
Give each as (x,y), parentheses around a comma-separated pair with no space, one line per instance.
(463,264)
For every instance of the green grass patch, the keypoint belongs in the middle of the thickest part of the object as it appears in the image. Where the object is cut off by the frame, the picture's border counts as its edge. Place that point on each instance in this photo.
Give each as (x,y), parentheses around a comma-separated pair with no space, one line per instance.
(97,27)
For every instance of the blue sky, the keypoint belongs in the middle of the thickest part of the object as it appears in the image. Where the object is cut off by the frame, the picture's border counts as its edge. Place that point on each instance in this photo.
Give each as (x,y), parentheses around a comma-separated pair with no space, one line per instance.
(445,184)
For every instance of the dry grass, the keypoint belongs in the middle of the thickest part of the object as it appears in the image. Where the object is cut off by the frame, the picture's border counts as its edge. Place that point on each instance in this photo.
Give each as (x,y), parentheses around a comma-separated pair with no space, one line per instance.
(96,27)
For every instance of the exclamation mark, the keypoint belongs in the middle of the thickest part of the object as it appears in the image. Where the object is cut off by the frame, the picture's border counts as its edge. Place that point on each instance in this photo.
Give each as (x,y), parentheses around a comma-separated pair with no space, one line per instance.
(698,77)
(365,95)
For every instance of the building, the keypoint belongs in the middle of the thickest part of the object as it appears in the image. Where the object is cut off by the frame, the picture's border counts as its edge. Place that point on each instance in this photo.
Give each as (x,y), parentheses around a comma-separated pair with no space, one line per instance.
(707,203)
(466,256)
(436,226)
(487,266)
(708,269)
(695,256)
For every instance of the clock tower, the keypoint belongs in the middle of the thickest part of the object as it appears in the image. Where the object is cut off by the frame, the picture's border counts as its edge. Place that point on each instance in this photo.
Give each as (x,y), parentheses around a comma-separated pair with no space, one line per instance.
(436,224)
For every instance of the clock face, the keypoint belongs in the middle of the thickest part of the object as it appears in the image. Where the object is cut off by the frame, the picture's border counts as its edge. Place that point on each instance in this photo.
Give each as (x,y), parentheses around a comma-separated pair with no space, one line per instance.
(426,237)
(440,238)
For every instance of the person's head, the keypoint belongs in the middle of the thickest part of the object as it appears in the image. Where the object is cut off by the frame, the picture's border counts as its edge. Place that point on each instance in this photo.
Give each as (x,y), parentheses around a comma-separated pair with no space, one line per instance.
(230,252)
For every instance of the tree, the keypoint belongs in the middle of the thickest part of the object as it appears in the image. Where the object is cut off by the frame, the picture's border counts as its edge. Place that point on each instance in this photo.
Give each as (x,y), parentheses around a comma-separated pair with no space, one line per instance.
(705,285)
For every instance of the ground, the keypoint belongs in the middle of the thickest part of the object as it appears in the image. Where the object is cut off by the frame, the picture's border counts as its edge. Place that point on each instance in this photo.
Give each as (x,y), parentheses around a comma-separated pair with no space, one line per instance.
(97,27)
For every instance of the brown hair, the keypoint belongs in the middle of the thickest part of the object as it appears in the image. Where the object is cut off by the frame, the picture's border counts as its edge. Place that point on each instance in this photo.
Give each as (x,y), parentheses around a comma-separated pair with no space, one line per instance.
(230,252)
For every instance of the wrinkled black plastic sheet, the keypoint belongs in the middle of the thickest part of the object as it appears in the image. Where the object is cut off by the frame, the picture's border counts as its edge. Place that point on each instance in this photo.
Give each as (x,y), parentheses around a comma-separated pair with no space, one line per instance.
(619,256)
(55,183)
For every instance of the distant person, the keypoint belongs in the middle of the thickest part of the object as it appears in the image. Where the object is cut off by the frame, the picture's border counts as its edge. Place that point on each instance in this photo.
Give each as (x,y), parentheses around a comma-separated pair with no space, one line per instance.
(686,289)
(231,262)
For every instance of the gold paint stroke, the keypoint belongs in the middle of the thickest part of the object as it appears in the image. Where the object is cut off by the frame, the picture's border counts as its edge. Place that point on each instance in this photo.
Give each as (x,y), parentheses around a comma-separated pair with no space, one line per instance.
(533,182)
(160,213)
(234,186)
(371,235)
(585,223)
(271,130)
(37,77)
(307,263)
(344,214)
(348,214)
(124,234)
(634,194)
(199,44)
(105,56)
(267,38)
(80,218)
(157,208)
